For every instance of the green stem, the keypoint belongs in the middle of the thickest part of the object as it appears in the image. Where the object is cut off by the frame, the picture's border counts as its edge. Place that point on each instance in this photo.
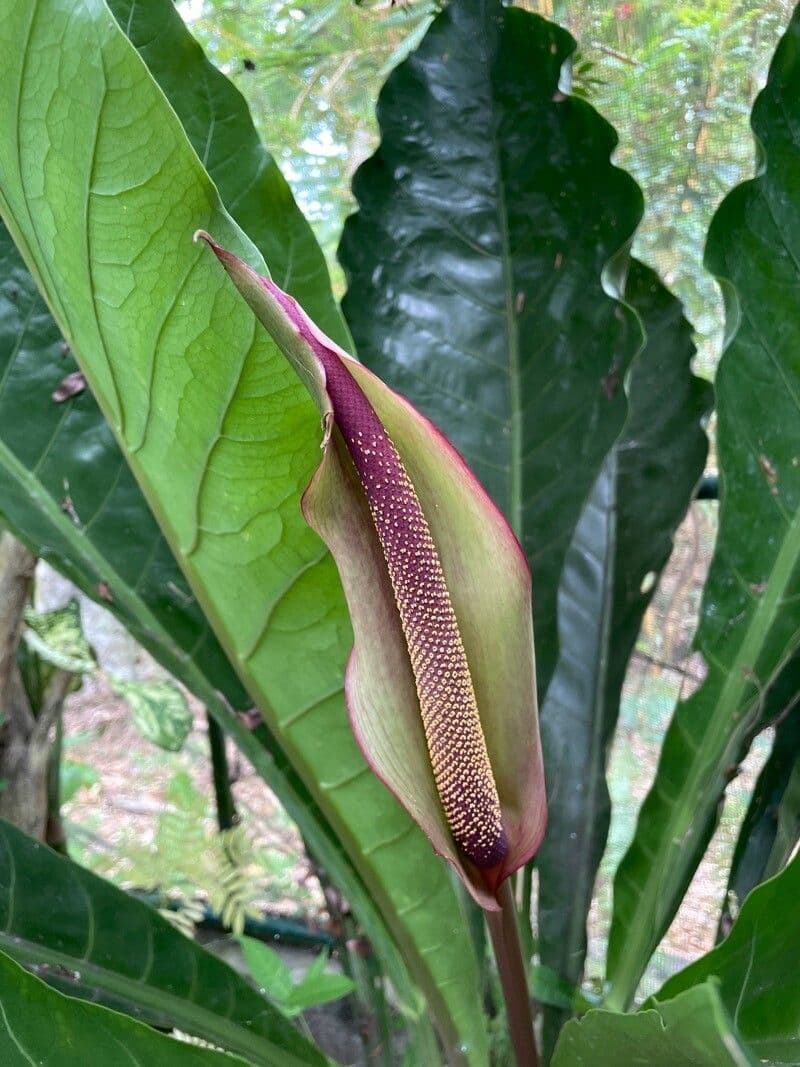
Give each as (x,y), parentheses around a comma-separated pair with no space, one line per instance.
(504,932)
(526,891)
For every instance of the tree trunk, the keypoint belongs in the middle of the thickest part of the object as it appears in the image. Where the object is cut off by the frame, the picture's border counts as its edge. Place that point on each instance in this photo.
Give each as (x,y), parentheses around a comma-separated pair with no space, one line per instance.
(25,740)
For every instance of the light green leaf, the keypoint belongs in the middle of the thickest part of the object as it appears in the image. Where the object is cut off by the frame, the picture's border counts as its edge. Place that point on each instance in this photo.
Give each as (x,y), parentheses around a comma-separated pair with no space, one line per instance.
(66,490)
(750,616)
(58,638)
(74,777)
(218,124)
(40,1026)
(317,986)
(274,979)
(268,970)
(173,359)
(756,966)
(159,710)
(692,1030)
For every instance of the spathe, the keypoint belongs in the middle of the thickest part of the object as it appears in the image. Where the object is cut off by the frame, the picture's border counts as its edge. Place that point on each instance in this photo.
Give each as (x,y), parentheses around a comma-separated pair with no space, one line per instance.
(440,685)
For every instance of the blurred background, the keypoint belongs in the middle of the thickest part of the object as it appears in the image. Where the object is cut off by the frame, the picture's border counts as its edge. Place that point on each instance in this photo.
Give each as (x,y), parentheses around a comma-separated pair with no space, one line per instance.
(677,80)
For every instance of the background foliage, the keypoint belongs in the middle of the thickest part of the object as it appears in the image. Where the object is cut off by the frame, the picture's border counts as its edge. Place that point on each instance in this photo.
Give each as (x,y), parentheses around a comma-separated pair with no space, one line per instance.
(312,73)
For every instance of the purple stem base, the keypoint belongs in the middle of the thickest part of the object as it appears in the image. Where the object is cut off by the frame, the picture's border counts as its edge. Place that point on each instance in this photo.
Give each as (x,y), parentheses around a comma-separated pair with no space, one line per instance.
(504,932)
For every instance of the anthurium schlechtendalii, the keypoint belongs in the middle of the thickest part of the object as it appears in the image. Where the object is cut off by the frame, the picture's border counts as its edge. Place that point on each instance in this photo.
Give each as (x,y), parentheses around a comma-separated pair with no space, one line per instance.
(440,686)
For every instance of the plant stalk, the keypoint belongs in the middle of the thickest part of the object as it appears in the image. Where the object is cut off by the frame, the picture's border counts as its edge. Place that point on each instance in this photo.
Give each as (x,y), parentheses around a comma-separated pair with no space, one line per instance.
(227,816)
(504,932)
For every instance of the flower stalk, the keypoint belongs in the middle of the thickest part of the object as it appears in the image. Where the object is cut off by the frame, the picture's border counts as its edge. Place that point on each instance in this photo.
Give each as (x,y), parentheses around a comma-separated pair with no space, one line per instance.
(441,683)
(504,933)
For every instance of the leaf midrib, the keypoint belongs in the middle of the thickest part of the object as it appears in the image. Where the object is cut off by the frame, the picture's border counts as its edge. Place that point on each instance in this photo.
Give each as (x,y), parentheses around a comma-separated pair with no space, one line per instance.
(681,816)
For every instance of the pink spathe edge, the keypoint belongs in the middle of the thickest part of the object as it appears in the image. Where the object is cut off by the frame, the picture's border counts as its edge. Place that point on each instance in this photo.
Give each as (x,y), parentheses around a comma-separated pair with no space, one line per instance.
(483,884)
(311,333)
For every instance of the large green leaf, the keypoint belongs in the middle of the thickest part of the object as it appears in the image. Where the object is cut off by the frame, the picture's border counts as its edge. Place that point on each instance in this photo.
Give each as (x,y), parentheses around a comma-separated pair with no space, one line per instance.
(486,219)
(771,826)
(181,372)
(756,967)
(218,124)
(750,617)
(106,540)
(106,945)
(38,1025)
(621,543)
(693,1030)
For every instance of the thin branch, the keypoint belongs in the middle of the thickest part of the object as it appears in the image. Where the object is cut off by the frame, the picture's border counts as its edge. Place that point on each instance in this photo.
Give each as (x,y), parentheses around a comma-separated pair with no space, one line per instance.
(614,54)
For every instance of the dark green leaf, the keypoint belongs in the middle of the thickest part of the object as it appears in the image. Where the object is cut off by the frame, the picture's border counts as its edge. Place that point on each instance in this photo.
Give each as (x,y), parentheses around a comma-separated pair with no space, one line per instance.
(693,1030)
(40,1026)
(474,263)
(756,967)
(771,827)
(94,941)
(550,990)
(620,546)
(750,617)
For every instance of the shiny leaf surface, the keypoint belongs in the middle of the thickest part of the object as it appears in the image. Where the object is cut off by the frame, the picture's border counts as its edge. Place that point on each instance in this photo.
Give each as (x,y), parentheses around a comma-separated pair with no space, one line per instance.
(771,826)
(474,263)
(621,544)
(756,967)
(105,945)
(750,616)
(174,361)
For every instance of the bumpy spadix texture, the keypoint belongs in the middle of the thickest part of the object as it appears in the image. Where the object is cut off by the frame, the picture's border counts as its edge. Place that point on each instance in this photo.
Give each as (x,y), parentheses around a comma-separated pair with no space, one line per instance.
(460,762)
(441,681)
